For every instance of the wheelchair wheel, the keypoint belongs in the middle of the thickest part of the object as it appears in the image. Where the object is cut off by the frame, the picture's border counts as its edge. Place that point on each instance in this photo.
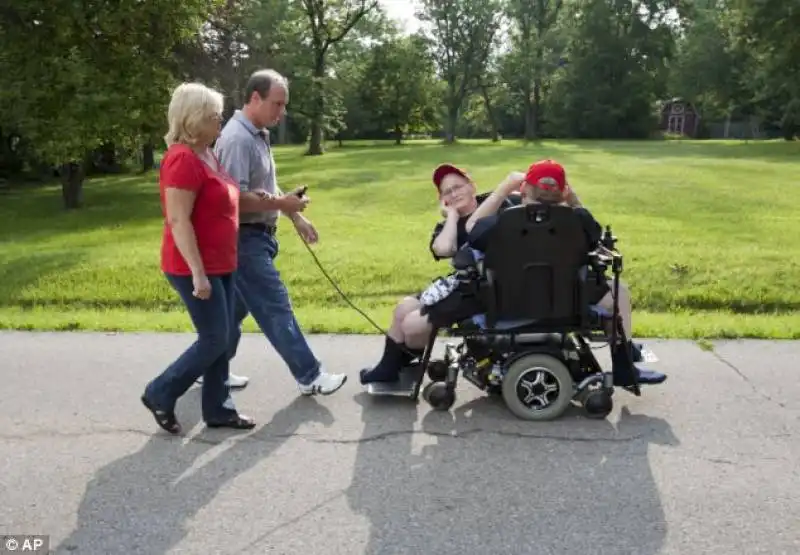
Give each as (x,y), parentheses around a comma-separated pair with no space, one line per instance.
(538,387)
(437,371)
(438,397)
(598,403)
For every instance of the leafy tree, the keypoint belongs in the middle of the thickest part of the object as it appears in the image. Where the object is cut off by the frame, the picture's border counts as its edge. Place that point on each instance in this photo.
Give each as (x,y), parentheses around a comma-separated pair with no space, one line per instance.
(463,32)
(92,75)
(224,48)
(708,68)
(769,30)
(615,72)
(534,54)
(398,86)
(329,22)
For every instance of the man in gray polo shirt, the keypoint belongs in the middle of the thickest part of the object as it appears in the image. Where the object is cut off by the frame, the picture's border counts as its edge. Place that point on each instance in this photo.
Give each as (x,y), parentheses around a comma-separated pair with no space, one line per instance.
(243,149)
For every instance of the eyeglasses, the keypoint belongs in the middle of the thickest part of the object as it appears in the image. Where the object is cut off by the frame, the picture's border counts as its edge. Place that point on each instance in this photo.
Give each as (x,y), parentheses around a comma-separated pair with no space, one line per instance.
(454,189)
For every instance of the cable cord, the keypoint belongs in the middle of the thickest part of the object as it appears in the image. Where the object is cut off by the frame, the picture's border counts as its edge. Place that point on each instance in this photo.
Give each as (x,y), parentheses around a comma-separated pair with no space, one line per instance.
(354,307)
(348,301)
(338,290)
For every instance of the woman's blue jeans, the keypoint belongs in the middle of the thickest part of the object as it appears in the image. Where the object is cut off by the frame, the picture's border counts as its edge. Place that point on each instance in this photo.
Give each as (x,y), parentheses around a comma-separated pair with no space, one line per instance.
(208,356)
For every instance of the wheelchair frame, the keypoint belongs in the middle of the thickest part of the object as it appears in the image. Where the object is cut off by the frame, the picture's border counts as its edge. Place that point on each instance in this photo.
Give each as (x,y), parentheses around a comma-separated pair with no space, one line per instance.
(544,343)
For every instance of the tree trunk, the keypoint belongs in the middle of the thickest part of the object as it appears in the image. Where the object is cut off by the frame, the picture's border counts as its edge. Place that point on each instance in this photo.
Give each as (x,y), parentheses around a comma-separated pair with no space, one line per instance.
(108,157)
(318,110)
(538,72)
(790,122)
(490,114)
(530,126)
(148,157)
(536,108)
(229,107)
(72,185)
(398,135)
(282,131)
(451,124)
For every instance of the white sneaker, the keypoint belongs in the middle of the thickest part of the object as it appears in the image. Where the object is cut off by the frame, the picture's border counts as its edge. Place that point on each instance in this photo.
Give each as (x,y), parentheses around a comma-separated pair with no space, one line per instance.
(325,384)
(234,381)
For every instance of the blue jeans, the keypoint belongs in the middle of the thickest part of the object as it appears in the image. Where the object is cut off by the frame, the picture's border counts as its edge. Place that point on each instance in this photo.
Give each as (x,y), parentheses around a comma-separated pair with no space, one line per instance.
(261,292)
(208,356)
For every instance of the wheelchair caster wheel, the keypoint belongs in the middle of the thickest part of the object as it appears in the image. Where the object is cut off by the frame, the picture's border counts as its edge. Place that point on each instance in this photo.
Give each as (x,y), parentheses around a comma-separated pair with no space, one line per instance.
(598,403)
(438,397)
(437,371)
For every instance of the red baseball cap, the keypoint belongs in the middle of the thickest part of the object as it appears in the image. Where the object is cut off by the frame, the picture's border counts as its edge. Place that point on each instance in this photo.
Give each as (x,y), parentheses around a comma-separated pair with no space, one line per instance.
(546,170)
(445,169)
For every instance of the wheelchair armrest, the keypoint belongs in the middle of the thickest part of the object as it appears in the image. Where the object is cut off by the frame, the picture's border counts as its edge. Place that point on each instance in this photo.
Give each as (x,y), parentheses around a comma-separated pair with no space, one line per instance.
(602,257)
(603,254)
(598,262)
(464,259)
(599,257)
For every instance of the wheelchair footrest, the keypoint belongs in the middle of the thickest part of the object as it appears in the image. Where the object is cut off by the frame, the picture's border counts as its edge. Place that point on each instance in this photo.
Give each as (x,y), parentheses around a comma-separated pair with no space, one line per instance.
(404,387)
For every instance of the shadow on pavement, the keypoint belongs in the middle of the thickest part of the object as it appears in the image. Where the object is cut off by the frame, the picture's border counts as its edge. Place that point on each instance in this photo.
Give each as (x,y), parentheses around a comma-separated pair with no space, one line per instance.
(570,486)
(142,502)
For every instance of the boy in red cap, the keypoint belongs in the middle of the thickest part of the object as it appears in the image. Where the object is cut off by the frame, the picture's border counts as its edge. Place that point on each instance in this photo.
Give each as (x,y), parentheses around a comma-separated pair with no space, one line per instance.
(458,200)
(546,182)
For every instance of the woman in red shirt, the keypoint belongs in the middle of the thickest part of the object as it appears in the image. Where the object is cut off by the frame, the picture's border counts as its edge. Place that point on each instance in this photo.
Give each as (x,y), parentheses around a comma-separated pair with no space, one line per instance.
(200,204)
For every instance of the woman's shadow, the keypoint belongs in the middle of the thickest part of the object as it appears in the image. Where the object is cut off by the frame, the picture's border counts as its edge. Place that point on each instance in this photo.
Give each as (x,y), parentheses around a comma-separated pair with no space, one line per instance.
(142,502)
(570,486)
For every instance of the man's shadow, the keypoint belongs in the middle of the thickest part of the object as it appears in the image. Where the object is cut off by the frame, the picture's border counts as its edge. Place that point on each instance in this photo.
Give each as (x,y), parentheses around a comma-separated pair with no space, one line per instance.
(570,486)
(142,502)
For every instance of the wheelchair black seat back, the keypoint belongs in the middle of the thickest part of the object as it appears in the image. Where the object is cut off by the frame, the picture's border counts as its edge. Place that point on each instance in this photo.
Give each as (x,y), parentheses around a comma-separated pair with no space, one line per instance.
(532,267)
(533,346)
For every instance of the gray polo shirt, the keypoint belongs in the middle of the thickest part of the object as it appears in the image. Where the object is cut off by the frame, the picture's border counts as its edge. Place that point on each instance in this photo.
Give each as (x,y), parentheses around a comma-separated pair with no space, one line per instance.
(244,152)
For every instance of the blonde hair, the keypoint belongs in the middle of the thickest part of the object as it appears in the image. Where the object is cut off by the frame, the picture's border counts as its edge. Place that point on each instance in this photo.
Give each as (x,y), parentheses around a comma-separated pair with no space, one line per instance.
(191,103)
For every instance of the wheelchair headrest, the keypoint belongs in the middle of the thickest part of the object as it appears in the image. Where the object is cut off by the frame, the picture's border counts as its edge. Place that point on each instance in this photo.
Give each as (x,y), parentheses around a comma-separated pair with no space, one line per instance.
(543,232)
(534,257)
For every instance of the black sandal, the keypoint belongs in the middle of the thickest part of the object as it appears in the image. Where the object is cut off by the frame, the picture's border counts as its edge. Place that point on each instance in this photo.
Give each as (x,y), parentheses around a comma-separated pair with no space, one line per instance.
(165,419)
(237,422)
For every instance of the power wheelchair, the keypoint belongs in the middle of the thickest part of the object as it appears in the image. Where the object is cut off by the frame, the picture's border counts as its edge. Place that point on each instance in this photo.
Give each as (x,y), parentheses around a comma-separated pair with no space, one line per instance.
(532,346)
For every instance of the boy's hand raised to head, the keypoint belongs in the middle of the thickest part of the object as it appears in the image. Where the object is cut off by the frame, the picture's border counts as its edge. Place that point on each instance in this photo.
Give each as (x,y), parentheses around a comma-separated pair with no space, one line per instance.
(571,198)
(492,204)
(512,183)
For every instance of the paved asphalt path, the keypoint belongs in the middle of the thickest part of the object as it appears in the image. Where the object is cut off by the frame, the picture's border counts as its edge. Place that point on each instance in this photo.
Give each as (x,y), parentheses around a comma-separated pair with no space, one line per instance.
(708,463)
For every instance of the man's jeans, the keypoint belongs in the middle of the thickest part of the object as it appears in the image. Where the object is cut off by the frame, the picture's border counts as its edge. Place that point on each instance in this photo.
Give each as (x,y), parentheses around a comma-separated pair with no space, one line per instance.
(261,292)
(208,356)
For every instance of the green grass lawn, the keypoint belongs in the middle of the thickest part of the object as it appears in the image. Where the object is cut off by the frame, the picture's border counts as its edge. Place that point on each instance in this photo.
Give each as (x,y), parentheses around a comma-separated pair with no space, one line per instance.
(710,232)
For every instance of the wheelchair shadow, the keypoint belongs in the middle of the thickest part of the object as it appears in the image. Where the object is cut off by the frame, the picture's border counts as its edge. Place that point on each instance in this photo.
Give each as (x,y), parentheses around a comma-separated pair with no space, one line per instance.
(466,484)
(143,502)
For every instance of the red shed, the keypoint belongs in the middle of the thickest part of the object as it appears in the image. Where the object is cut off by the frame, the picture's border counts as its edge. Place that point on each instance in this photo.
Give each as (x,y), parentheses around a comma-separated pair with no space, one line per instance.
(680,117)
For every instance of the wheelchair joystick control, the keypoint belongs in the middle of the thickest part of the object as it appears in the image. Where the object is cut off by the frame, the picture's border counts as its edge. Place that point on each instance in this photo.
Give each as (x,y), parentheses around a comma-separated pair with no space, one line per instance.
(608,240)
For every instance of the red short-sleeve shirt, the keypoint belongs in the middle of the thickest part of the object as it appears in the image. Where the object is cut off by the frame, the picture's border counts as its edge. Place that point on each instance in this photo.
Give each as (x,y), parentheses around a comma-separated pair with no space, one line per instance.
(215,216)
